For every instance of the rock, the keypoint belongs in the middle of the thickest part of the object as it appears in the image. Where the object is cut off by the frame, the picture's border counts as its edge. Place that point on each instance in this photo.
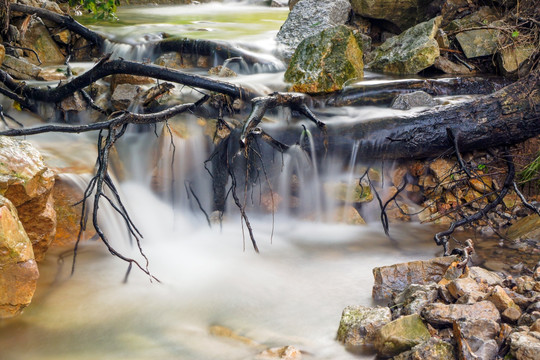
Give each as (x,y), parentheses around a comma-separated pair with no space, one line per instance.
(501,300)
(433,349)
(283,353)
(485,276)
(511,315)
(525,346)
(27,183)
(402,13)
(119,79)
(225,332)
(310,17)
(325,61)
(414,99)
(348,215)
(51,74)
(2,53)
(222,72)
(401,335)
(20,69)
(410,52)
(74,102)
(510,59)
(292,3)
(442,314)
(449,67)
(525,228)
(536,326)
(18,269)
(354,193)
(475,43)
(66,194)
(359,324)
(413,299)
(466,286)
(63,37)
(476,339)
(442,169)
(392,279)
(124,95)
(482,17)
(37,37)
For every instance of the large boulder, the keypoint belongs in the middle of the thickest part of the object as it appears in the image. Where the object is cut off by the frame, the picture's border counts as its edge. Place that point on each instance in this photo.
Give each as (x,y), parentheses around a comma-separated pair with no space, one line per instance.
(310,17)
(525,346)
(20,68)
(359,324)
(392,279)
(325,61)
(403,13)
(18,269)
(27,183)
(443,314)
(410,52)
(476,339)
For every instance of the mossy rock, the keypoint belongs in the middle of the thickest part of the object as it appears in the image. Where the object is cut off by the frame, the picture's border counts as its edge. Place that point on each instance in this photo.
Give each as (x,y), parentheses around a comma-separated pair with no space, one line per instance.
(325,62)
(401,335)
(411,52)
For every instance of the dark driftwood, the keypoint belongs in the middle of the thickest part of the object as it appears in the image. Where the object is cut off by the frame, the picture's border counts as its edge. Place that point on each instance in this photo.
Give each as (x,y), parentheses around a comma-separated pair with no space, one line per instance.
(383,93)
(63,20)
(506,117)
(107,67)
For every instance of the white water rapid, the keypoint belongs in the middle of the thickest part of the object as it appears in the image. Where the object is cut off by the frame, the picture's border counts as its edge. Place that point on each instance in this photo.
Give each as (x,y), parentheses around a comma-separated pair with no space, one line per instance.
(292,293)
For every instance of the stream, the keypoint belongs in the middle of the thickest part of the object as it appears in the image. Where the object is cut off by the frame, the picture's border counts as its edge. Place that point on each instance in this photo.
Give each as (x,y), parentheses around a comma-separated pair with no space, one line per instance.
(292,293)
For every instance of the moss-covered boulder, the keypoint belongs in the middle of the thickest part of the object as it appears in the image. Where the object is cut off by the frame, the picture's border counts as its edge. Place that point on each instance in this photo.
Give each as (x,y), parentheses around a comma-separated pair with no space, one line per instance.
(410,52)
(18,269)
(401,335)
(433,349)
(359,324)
(325,61)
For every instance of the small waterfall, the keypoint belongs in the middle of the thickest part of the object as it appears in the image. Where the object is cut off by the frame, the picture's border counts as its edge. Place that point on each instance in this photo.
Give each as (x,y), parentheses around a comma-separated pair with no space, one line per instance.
(143,51)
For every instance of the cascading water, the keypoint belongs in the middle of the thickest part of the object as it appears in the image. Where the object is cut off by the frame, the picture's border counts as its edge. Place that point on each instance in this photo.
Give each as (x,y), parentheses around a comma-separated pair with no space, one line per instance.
(292,293)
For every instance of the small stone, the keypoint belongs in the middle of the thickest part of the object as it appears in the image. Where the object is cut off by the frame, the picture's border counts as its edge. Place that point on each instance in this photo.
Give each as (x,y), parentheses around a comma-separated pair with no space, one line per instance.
(414,99)
(2,53)
(283,353)
(225,332)
(222,71)
(483,275)
(527,227)
(511,315)
(359,324)
(463,286)
(536,326)
(63,37)
(119,79)
(413,299)
(450,67)
(37,38)
(511,58)
(51,74)
(525,284)
(401,335)
(348,215)
(501,300)
(124,95)
(525,346)
(20,68)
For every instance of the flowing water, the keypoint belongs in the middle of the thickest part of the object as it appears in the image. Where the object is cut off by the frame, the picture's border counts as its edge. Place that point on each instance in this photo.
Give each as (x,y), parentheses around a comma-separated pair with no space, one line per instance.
(292,293)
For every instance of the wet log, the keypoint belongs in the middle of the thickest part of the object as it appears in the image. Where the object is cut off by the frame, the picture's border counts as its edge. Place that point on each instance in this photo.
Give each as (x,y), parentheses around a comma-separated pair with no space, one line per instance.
(506,117)
(382,93)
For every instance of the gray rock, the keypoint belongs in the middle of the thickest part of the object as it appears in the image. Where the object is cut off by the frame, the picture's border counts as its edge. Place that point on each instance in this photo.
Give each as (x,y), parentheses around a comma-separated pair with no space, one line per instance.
(309,17)
(433,349)
(442,314)
(359,324)
(489,277)
(476,43)
(20,68)
(401,335)
(410,52)
(413,299)
(403,13)
(414,99)
(525,346)
(476,339)
(511,59)
(123,96)
(38,38)
(450,67)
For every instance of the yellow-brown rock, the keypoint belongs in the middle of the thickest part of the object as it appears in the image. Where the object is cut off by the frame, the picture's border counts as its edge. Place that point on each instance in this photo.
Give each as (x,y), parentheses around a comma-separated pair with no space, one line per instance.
(2,53)
(27,183)
(66,193)
(18,269)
